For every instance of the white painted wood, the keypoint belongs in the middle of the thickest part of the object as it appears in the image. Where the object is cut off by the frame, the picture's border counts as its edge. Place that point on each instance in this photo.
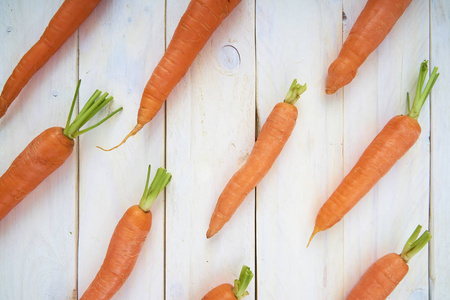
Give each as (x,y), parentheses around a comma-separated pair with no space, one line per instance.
(119,48)
(37,238)
(210,132)
(440,148)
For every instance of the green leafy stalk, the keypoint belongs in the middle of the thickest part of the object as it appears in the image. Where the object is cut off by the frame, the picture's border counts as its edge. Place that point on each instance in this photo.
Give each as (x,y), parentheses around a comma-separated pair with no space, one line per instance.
(241,284)
(422,93)
(161,179)
(95,103)
(294,92)
(414,245)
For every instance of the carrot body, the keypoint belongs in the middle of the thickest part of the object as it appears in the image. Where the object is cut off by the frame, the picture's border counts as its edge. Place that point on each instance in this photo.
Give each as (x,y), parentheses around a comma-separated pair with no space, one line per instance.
(271,140)
(38,160)
(221,292)
(124,248)
(63,24)
(380,279)
(394,140)
(372,26)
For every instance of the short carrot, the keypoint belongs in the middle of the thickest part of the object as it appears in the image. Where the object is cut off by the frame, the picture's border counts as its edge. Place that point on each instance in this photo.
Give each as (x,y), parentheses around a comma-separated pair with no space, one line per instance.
(385,274)
(63,24)
(394,140)
(46,153)
(271,140)
(126,242)
(228,292)
(200,20)
(372,26)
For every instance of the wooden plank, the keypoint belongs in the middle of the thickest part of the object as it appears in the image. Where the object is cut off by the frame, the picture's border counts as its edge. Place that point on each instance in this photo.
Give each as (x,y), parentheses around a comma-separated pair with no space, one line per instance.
(119,48)
(440,147)
(387,215)
(210,132)
(38,237)
(297,40)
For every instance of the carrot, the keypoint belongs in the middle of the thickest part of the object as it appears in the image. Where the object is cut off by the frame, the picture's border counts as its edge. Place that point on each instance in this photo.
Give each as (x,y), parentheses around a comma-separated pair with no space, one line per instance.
(227,292)
(200,20)
(63,24)
(385,274)
(394,140)
(271,140)
(127,241)
(372,26)
(46,153)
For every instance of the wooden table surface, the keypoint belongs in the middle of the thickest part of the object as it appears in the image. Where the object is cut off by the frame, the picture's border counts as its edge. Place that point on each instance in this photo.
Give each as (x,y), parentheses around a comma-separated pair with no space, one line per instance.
(53,243)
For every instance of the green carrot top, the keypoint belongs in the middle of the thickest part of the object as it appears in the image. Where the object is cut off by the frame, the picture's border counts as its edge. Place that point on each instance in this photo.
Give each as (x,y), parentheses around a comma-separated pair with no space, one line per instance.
(295,90)
(161,179)
(241,284)
(414,245)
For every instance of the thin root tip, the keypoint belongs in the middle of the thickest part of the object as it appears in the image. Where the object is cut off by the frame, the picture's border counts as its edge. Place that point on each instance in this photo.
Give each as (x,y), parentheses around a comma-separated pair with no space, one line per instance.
(330,91)
(133,132)
(210,234)
(315,231)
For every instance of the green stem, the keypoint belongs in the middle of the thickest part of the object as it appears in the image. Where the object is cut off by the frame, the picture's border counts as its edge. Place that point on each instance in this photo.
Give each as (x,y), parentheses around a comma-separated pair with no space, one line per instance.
(95,103)
(241,284)
(294,92)
(161,179)
(414,245)
(422,93)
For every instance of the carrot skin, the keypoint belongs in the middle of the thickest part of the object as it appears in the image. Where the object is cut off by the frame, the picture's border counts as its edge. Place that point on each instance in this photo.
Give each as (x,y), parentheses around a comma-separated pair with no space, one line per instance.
(394,140)
(373,24)
(271,140)
(123,251)
(380,279)
(221,292)
(43,155)
(64,23)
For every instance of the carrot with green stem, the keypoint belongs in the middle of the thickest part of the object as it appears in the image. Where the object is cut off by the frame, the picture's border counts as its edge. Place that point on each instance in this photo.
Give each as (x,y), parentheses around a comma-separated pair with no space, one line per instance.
(372,26)
(271,140)
(383,276)
(47,152)
(127,241)
(394,140)
(64,23)
(228,292)
(200,20)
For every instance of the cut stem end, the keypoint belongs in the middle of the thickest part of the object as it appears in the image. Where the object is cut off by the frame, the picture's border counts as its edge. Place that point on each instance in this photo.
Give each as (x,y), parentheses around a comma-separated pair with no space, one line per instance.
(294,92)
(241,284)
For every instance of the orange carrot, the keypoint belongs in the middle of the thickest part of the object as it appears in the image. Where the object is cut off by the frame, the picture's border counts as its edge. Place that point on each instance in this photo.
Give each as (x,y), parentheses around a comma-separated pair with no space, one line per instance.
(126,242)
(372,26)
(63,24)
(201,19)
(271,140)
(385,274)
(399,134)
(227,292)
(46,153)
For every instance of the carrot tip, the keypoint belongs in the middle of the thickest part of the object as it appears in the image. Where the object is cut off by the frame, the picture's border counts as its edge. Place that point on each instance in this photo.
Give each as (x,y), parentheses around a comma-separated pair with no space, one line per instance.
(315,231)
(210,234)
(330,91)
(133,132)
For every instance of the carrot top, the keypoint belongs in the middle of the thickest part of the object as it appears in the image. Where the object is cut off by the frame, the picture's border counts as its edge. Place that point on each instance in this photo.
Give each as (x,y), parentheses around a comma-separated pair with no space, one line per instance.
(414,245)
(241,284)
(161,179)
(92,107)
(421,93)
(294,92)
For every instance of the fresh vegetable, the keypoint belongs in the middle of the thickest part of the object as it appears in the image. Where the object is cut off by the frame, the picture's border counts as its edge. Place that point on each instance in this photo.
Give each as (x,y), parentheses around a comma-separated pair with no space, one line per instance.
(271,140)
(399,134)
(127,241)
(201,19)
(386,273)
(372,26)
(227,292)
(63,24)
(46,153)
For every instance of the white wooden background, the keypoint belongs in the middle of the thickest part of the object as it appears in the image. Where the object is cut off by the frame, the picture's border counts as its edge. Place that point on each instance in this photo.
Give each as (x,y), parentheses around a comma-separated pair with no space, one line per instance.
(53,243)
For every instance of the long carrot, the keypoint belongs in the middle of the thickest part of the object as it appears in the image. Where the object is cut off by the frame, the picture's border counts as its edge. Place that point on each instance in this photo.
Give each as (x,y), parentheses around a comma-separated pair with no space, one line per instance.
(271,140)
(228,292)
(63,24)
(46,153)
(372,26)
(126,242)
(394,140)
(201,19)
(385,274)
